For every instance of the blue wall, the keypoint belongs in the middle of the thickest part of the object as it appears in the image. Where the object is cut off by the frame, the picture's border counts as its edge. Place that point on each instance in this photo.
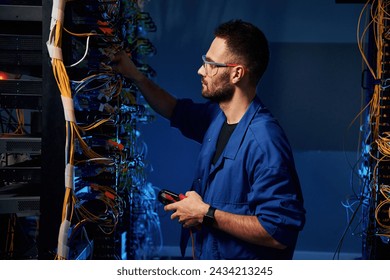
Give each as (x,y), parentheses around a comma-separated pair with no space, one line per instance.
(312,86)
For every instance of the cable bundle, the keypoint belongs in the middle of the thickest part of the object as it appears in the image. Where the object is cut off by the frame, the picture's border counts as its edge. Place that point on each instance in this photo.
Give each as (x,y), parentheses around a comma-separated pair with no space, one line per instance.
(374,170)
(105,176)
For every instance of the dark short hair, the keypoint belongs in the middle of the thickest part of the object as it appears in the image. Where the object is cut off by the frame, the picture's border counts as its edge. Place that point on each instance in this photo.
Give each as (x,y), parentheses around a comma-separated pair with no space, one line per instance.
(248,43)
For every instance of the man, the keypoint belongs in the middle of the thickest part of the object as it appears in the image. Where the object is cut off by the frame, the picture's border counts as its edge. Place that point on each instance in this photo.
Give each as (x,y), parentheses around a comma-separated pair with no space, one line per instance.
(245,201)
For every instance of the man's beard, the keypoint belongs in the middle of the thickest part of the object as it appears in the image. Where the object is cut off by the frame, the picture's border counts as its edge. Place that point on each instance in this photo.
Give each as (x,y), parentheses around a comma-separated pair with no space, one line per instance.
(224,92)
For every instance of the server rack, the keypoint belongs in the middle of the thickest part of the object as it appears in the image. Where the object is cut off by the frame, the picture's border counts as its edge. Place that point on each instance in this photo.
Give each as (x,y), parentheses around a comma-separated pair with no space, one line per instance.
(20,127)
(45,140)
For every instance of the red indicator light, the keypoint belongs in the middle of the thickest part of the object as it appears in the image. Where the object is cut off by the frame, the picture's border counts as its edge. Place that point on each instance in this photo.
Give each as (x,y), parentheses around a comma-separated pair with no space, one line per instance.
(3,76)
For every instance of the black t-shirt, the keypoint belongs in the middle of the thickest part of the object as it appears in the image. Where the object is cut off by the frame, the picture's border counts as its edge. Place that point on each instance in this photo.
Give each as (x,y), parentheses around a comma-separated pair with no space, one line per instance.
(223,138)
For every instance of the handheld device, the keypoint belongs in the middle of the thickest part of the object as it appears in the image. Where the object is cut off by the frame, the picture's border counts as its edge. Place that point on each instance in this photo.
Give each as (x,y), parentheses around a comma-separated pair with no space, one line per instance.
(167,197)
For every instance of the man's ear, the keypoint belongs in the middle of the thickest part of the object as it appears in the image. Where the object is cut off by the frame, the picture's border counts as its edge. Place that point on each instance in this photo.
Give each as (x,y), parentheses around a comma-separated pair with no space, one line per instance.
(238,73)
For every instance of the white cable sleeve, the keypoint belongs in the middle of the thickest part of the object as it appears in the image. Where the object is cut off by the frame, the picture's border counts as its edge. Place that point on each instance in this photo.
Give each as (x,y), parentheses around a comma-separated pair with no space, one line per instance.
(63,249)
(58,10)
(54,52)
(57,16)
(69,176)
(68,105)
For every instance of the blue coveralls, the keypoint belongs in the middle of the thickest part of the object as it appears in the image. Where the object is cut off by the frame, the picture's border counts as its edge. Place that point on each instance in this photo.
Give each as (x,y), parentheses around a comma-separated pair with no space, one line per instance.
(255,175)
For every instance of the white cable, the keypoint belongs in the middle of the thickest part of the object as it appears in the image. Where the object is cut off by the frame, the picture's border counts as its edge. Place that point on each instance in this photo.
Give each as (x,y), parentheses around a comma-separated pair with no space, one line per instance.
(85,54)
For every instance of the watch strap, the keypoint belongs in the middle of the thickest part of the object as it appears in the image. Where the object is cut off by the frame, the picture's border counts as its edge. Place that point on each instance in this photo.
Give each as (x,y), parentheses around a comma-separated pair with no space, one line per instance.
(208,219)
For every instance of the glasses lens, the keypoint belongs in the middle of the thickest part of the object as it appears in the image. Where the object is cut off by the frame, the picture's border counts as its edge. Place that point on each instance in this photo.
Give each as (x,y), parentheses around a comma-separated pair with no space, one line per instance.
(204,63)
(206,68)
(209,68)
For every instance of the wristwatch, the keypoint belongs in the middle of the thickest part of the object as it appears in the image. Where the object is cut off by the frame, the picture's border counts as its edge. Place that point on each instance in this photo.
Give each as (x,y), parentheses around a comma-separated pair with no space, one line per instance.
(209,219)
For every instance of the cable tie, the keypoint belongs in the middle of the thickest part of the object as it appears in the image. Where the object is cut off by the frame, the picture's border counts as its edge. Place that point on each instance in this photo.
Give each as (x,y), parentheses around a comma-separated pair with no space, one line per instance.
(68,105)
